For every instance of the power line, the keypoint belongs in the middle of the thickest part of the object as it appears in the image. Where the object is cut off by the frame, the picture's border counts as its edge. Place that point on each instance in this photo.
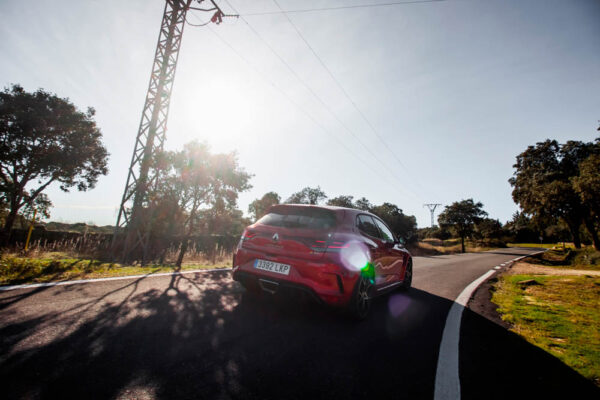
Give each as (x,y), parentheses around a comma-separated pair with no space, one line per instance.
(306,113)
(343,90)
(316,96)
(308,10)
(197,25)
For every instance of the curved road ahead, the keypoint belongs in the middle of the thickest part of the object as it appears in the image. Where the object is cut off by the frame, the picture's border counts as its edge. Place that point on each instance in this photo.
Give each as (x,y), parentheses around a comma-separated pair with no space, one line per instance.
(198,336)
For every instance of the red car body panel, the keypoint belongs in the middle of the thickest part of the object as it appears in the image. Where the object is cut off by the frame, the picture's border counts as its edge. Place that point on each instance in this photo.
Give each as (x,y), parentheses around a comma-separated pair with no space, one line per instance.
(325,263)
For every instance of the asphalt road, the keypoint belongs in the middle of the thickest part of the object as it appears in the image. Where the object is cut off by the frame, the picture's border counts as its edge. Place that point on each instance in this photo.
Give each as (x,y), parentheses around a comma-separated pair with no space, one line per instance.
(199,336)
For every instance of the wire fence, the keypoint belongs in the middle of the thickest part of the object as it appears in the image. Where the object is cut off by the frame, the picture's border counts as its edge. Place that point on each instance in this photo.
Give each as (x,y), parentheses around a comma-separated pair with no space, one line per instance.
(164,249)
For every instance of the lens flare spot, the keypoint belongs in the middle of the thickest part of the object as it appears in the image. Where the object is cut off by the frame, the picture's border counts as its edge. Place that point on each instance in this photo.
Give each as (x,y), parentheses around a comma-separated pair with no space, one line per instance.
(355,256)
(368,271)
(398,304)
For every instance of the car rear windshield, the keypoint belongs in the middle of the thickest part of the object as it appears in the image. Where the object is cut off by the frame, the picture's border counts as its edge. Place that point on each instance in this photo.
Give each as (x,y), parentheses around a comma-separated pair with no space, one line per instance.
(300,218)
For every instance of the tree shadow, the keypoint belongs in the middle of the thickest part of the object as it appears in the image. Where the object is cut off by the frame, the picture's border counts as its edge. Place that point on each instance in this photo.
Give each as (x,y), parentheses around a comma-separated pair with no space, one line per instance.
(202,336)
(10,298)
(498,364)
(437,256)
(512,253)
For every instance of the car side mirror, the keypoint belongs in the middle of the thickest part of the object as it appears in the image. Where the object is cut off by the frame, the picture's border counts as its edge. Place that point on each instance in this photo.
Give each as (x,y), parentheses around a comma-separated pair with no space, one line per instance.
(400,242)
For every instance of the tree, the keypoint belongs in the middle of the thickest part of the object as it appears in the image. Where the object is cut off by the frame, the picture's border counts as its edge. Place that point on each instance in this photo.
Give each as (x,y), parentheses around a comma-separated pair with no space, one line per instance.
(307,195)
(544,185)
(488,229)
(403,226)
(573,154)
(40,207)
(541,188)
(461,217)
(259,207)
(587,185)
(341,201)
(363,204)
(522,228)
(201,180)
(45,139)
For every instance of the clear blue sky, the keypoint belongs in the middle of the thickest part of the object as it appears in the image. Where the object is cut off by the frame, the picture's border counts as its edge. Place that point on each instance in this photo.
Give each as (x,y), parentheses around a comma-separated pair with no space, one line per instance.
(456,89)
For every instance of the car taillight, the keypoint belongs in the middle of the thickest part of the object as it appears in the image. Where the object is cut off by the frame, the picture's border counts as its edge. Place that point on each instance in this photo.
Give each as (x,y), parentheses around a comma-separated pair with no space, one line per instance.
(336,246)
(325,246)
(319,246)
(248,235)
(245,237)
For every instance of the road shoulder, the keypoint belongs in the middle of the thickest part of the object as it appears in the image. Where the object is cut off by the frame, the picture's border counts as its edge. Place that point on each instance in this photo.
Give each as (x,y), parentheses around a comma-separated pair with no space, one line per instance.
(496,363)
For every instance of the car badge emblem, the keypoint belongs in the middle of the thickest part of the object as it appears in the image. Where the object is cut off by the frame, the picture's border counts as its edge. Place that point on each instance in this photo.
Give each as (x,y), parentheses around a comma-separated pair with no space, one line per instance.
(275,237)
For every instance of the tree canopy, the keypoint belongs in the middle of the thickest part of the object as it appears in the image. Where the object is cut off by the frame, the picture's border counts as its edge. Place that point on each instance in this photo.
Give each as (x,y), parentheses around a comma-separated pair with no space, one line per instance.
(461,217)
(45,139)
(307,195)
(341,201)
(587,184)
(205,187)
(403,226)
(553,181)
(363,204)
(259,207)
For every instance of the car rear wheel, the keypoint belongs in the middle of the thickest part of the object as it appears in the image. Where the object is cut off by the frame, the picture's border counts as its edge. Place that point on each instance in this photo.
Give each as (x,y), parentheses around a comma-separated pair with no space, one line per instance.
(360,303)
(407,282)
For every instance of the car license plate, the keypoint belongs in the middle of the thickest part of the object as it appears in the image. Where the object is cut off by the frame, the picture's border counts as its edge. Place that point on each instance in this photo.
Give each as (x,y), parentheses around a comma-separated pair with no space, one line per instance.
(271,266)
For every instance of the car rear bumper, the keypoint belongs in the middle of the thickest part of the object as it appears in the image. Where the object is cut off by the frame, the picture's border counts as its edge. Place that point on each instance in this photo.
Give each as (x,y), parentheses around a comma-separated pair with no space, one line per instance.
(275,286)
(325,282)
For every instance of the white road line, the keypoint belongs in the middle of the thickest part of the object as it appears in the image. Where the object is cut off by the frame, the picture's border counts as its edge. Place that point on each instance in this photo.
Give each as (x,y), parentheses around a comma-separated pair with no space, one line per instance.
(117,278)
(447,381)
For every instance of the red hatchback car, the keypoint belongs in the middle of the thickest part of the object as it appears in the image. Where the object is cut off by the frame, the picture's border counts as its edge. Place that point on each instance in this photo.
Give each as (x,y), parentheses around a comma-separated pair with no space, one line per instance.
(339,256)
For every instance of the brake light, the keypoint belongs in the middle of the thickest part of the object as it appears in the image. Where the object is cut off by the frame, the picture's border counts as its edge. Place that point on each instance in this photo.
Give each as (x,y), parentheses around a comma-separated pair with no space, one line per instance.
(338,245)
(324,246)
(248,235)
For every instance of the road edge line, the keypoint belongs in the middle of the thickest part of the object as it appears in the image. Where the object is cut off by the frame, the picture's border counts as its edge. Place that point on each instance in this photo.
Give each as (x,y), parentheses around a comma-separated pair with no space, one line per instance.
(114,278)
(447,380)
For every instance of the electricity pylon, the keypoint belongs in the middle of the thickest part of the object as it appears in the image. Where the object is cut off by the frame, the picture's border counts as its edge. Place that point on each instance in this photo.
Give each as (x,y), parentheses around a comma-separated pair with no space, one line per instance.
(432,207)
(135,213)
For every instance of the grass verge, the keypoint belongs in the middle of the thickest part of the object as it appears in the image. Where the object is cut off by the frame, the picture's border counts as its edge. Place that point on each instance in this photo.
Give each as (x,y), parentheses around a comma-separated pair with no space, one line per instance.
(431,247)
(570,258)
(15,270)
(538,245)
(559,314)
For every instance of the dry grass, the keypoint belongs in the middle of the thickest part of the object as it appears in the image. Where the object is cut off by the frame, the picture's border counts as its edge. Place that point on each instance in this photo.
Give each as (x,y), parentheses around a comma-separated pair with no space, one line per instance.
(559,314)
(524,268)
(42,267)
(429,247)
(542,245)
(569,258)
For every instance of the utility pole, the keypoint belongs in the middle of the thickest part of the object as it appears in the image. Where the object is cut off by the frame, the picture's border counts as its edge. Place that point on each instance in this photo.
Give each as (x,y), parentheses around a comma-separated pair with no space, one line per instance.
(432,207)
(134,221)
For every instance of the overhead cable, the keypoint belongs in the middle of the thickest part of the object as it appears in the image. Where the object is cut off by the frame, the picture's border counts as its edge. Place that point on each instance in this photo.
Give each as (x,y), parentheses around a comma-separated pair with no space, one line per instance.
(320,100)
(300,108)
(345,93)
(335,8)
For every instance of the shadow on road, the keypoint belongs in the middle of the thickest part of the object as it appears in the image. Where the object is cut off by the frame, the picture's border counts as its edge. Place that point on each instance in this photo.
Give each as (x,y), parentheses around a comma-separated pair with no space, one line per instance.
(202,337)
(513,253)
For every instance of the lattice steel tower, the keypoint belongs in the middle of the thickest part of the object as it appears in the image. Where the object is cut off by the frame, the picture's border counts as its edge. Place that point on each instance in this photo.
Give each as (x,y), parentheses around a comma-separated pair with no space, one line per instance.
(134,219)
(432,207)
